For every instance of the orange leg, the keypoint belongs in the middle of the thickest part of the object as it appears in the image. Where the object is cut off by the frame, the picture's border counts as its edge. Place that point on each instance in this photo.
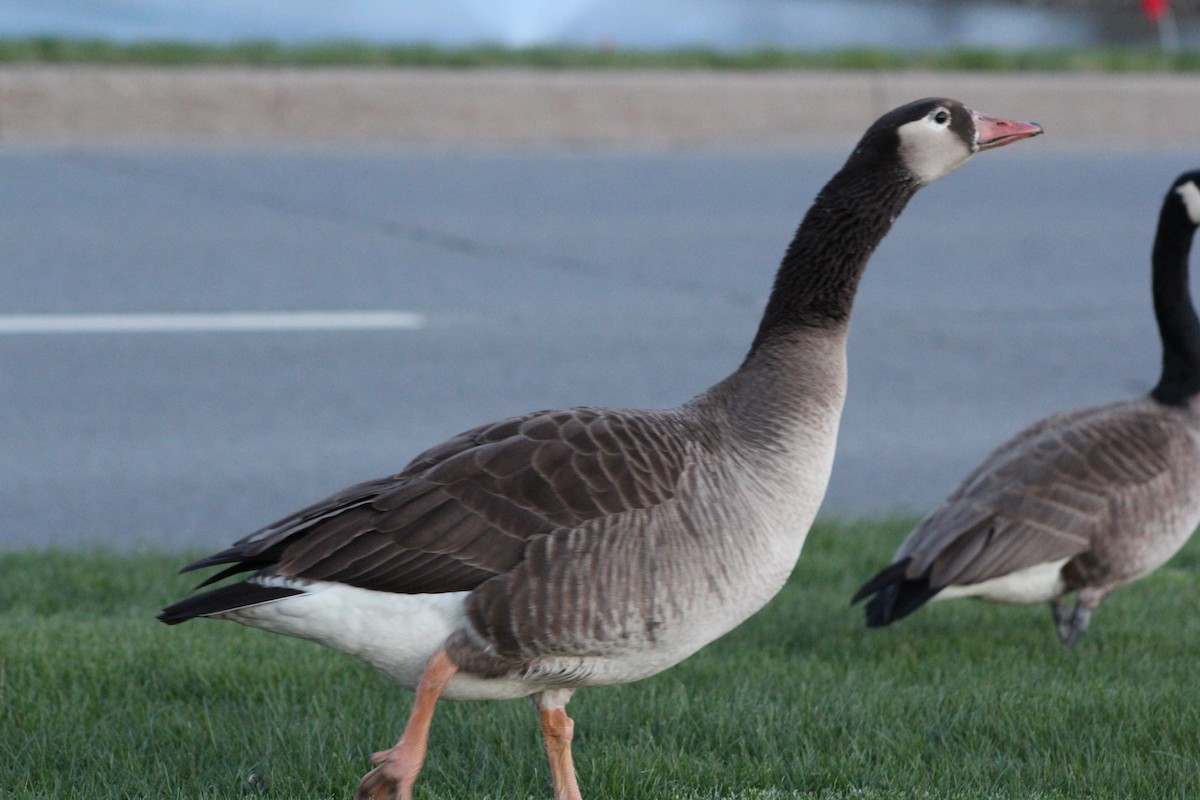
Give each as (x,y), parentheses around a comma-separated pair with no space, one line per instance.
(557,730)
(395,776)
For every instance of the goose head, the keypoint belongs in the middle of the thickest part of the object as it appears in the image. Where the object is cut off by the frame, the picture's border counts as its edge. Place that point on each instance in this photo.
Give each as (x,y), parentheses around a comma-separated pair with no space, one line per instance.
(929,138)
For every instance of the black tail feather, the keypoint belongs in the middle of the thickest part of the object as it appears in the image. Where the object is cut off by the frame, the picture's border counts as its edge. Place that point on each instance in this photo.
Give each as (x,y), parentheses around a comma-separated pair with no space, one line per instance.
(896,596)
(224,598)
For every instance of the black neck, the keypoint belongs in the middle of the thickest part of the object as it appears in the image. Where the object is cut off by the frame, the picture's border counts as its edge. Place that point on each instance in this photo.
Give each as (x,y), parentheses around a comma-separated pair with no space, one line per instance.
(816,282)
(1177,323)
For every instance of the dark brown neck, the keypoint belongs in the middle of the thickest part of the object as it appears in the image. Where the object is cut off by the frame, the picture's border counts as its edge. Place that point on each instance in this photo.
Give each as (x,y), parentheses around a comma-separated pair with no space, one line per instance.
(816,282)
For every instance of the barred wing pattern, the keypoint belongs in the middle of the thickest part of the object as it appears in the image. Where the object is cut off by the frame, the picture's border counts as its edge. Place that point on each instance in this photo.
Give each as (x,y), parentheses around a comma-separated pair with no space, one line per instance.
(463,511)
(1047,499)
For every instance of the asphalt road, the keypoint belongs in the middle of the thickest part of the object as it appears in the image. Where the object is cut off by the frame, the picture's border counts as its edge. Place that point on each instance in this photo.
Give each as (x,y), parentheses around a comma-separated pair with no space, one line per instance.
(1016,287)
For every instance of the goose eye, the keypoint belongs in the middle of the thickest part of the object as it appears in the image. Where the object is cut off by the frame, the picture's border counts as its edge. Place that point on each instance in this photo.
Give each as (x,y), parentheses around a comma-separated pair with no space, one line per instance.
(942,116)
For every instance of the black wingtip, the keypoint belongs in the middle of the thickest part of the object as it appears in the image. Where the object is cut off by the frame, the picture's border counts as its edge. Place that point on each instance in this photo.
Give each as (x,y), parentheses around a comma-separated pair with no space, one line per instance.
(222,599)
(227,556)
(236,556)
(890,574)
(896,595)
(242,566)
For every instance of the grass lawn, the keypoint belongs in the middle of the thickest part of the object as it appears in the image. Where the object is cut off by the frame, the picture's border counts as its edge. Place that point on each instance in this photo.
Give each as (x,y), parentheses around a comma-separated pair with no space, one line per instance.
(57,50)
(964,700)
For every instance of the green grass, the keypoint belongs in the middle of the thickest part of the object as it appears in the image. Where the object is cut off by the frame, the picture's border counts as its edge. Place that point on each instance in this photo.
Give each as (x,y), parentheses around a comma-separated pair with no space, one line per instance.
(49,50)
(964,700)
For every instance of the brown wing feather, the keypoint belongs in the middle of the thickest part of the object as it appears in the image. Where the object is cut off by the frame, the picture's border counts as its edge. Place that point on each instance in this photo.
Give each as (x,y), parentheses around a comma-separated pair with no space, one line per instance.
(463,512)
(1045,495)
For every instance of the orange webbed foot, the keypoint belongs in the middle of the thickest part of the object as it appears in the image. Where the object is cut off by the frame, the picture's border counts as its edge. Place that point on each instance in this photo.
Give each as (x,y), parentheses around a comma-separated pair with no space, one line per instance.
(391,780)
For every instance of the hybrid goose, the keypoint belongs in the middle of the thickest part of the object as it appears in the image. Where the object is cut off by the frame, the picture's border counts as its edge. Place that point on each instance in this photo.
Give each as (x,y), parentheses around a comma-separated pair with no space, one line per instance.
(591,546)
(1084,501)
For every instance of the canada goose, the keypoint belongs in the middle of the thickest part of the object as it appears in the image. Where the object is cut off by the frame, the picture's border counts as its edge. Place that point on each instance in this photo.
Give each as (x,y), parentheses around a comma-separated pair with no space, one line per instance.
(1083,501)
(583,547)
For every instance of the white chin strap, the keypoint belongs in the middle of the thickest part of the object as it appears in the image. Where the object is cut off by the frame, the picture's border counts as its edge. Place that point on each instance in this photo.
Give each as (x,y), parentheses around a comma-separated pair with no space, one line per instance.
(1191,199)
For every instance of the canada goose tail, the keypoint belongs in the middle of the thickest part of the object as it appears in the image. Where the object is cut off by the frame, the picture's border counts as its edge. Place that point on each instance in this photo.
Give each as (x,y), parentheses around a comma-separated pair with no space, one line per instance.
(896,595)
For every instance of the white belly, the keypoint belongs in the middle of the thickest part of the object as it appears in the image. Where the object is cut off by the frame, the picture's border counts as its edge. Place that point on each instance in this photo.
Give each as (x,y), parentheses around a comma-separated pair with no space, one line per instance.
(394,633)
(1037,584)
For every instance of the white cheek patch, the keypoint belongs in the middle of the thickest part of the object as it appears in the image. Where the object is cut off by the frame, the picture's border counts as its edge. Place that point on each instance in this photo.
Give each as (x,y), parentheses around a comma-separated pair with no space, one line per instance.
(929,150)
(1191,199)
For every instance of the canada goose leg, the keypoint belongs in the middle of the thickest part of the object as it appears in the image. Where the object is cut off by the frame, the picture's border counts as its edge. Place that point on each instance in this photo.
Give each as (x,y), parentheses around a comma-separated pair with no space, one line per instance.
(1071,624)
(557,731)
(399,766)
(1062,617)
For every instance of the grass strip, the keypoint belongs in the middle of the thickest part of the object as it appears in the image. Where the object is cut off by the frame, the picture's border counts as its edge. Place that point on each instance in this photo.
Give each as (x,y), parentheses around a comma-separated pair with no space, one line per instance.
(963,700)
(57,50)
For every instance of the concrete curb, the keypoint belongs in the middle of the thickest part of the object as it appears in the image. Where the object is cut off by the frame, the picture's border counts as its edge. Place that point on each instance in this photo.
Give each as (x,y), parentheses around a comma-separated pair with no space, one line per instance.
(135,106)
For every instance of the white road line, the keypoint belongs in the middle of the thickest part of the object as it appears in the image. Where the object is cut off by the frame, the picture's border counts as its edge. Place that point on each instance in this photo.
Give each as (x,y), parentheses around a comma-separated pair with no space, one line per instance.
(236,321)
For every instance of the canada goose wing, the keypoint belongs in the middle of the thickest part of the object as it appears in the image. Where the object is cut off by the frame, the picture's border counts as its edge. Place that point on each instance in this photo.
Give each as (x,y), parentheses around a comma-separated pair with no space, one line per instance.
(462,512)
(977,479)
(1048,499)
